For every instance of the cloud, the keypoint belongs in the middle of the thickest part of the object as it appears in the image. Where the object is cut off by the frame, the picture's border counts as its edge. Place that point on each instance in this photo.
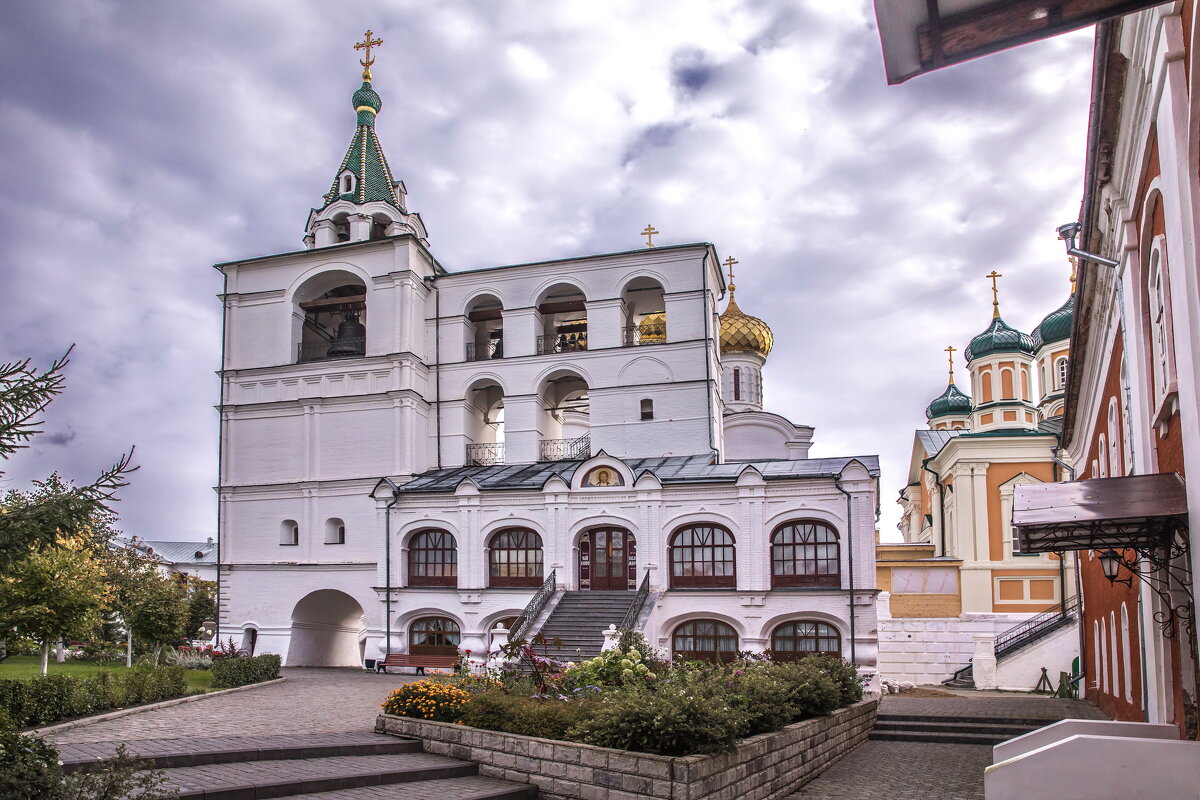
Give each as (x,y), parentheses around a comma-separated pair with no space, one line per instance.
(163,138)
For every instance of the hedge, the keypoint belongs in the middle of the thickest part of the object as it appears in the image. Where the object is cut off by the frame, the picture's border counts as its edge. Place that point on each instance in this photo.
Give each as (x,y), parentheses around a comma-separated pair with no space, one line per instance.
(40,701)
(231,672)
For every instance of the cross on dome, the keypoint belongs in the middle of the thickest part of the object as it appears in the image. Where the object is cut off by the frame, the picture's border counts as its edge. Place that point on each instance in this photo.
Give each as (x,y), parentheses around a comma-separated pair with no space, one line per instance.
(366,44)
(649,234)
(950,351)
(995,293)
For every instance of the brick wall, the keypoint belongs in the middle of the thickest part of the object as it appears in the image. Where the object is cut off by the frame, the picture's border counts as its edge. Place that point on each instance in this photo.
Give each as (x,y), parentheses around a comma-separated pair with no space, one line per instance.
(764,767)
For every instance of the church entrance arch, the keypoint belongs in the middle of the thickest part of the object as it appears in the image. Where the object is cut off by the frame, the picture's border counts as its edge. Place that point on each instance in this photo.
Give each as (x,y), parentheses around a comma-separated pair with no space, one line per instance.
(327,631)
(607,559)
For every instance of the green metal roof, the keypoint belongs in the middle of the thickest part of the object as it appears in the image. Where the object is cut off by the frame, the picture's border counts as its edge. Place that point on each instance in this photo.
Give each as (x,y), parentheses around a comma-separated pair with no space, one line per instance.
(1056,326)
(950,402)
(364,159)
(999,337)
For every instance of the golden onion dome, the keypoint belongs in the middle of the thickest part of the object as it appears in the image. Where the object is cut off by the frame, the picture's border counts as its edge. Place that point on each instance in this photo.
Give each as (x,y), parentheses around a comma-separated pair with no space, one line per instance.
(653,328)
(742,333)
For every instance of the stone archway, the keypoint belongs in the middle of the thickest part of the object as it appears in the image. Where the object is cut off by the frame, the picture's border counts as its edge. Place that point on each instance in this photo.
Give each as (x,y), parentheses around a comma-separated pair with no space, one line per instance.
(327,628)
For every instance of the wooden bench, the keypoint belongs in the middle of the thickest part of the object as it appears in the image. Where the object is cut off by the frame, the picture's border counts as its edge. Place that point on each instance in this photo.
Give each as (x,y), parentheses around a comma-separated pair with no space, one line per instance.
(419,662)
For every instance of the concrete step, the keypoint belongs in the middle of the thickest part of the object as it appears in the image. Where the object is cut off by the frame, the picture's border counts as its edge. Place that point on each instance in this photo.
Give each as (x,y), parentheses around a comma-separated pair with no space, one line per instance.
(1033,722)
(938,738)
(473,787)
(1008,730)
(288,777)
(951,730)
(198,751)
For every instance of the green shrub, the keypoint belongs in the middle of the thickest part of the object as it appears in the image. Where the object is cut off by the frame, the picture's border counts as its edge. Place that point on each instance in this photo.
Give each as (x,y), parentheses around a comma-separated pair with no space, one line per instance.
(41,701)
(764,695)
(812,692)
(29,770)
(845,674)
(231,672)
(680,717)
(528,716)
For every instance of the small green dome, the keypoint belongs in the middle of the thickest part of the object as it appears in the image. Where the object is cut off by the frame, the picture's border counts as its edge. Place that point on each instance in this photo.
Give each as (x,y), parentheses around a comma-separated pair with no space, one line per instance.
(950,402)
(366,98)
(1056,326)
(999,338)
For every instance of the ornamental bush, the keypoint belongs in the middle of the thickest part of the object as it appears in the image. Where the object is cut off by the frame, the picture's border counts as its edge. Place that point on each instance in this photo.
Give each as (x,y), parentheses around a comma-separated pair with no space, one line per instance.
(528,716)
(41,701)
(30,770)
(844,674)
(439,701)
(231,672)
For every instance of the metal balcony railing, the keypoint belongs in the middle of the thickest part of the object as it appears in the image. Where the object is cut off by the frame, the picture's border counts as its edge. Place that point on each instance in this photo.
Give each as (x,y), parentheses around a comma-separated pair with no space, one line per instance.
(485,454)
(565,449)
(319,351)
(636,335)
(561,343)
(493,348)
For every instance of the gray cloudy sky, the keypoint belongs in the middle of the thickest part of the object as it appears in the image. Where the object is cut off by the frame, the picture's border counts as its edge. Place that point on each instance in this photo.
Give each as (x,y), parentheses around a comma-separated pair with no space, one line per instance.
(141,142)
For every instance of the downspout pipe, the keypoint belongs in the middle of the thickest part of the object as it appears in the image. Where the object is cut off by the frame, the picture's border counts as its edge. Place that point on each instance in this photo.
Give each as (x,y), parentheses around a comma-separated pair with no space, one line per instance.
(941,507)
(387,559)
(221,445)
(708,381)
(431,283)
(837,481)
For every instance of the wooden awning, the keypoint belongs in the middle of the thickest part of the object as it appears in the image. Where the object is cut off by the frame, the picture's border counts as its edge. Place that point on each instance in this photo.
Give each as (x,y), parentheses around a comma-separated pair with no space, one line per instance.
(1136,511)
(919,36)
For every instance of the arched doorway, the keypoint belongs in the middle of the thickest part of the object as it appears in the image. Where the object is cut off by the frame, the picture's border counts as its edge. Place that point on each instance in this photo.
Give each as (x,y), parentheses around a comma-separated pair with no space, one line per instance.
(607,559)
(327,631)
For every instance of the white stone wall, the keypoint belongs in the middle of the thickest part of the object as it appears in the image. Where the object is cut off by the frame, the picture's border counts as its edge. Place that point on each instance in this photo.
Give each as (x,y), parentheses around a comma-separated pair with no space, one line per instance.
(929,650)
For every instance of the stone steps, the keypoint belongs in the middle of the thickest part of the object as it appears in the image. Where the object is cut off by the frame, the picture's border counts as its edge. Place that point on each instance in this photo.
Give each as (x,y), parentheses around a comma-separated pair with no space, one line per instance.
(951,730)
(580,619)
(328,766)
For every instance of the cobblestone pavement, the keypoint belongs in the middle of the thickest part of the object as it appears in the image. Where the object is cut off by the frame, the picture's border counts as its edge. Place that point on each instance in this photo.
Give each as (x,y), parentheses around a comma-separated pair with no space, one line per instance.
(309,701)
(904,771)
(472,786)
(1019,706)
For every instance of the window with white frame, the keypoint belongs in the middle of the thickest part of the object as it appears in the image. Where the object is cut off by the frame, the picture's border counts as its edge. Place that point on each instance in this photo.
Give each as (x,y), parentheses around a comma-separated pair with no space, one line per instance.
(1060,373)
(1158,321)
(1102,457)
(1114,438)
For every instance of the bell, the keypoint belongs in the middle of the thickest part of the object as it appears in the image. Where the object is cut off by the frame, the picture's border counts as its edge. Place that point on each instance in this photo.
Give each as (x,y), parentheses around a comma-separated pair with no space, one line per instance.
(351,338)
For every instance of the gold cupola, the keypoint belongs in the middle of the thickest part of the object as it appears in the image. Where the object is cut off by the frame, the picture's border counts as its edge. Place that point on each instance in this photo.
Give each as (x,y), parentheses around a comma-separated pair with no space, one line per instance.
(740,332)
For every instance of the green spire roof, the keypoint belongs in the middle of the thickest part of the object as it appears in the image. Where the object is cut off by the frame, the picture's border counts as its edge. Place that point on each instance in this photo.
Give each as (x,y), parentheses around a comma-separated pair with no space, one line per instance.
(999,337)
(1056,326)
(950,402)
(365,160)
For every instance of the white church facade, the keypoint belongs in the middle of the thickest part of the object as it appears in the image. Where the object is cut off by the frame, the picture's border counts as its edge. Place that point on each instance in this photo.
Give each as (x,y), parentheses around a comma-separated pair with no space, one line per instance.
(411,455)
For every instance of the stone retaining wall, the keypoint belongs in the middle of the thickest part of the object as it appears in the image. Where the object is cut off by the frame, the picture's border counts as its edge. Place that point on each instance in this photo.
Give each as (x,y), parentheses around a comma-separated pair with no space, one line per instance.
(763,767)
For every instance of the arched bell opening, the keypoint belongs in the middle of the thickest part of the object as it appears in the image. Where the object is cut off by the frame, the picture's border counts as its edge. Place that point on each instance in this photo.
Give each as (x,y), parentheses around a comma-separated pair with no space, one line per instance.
(485,333)
(564,320)
(331,317)
(645,312)
(565,424)
(484,423)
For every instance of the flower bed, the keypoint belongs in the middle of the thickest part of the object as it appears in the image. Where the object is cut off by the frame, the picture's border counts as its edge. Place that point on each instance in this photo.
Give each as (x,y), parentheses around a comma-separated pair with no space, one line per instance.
(631,702)
(763,767)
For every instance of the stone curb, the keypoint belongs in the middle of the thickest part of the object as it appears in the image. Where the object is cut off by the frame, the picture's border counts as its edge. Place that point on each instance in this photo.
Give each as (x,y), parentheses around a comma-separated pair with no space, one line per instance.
(124,712)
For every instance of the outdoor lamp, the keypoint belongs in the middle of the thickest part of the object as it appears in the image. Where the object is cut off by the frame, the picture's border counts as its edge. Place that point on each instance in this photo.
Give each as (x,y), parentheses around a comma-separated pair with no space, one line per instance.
(1110,562)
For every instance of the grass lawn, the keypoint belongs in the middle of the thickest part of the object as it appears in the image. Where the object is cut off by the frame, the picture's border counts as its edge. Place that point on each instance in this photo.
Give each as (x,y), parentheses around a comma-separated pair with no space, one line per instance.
(198,680)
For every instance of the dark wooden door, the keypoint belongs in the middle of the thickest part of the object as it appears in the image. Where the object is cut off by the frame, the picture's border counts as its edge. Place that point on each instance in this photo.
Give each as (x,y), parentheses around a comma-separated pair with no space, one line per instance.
(610,558)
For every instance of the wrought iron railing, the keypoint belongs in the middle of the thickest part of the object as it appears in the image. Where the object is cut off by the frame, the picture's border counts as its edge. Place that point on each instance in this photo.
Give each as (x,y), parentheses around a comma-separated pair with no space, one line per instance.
(493,348)
(1035,627)
(635,608)
(485,454)
(561,343)
(565,449)
(319,351)
(533,608)
(636,335)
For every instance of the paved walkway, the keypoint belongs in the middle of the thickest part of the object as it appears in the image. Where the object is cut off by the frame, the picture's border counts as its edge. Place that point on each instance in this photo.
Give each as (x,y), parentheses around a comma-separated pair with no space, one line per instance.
(309,701)
(928,771)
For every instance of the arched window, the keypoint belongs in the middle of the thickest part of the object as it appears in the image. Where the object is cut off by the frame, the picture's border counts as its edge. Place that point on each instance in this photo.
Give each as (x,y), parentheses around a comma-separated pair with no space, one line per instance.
(1114,658)
(985,385)
(737,384)
(1006,385)
(1102,457)
(647,407)
(289,533)
(1025,384)
(335,531)
(794,640)
(1104,655)
(702,557)
(1114,439)
(432,559)
(705,640)
(805,554)
(515,558)
(1158,323)
(1060,369)
(1127,657)
(434,636)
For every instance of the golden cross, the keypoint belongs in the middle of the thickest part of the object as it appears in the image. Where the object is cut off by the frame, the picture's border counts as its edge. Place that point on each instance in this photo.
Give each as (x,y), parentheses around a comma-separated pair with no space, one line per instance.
(950,350)
(729,262)
(366,44)
(1074,272)
(995,293)
(649,234)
